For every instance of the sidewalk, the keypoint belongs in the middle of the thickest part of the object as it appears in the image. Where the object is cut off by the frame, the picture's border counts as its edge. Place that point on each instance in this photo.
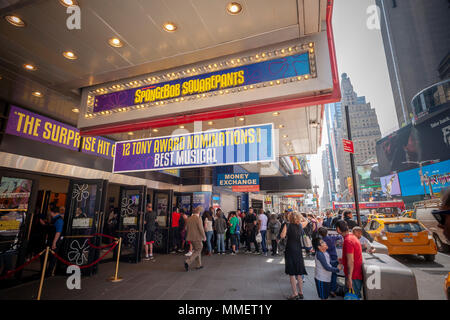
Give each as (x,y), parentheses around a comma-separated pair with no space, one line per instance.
(240,277)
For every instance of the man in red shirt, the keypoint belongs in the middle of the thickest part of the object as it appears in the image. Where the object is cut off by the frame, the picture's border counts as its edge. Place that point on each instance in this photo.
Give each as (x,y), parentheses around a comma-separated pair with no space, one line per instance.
(175,232)
(351,258)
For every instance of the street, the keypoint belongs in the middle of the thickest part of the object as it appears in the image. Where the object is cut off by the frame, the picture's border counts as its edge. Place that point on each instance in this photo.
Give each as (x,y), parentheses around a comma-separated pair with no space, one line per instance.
(429,275)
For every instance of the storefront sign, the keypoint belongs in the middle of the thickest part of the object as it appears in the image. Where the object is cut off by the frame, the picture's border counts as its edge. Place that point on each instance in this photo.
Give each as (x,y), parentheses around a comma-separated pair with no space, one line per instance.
(249,188)
(9,225)
(210,148)
(237,179)
(33,126)
(270,70)
(129,221)
(82,223)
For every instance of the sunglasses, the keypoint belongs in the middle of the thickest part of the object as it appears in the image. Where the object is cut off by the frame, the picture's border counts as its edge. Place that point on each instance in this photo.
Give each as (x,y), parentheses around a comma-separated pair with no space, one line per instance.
(439,215)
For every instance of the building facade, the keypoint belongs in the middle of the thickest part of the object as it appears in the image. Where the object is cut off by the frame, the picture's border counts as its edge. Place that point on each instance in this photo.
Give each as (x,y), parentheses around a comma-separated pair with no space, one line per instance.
(365,133)
(416,40)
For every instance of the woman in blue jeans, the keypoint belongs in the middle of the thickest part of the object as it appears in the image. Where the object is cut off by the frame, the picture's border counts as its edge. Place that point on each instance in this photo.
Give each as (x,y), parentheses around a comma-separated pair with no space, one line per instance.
(208,225)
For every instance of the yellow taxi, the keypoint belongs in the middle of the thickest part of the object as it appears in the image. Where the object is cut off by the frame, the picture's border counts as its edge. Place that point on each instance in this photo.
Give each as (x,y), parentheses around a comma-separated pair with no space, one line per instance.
(403,236)
(408,214)
(447,286)
(372,216)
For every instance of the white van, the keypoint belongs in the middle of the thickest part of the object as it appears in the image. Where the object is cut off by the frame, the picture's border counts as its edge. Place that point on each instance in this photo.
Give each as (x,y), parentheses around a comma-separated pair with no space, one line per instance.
(422,212)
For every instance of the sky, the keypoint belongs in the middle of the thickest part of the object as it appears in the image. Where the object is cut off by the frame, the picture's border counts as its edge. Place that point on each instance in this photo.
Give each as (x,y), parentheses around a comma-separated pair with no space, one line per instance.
(360,54)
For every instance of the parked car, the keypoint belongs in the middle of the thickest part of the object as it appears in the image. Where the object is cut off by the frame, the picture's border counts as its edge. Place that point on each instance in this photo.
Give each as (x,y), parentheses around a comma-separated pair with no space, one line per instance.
(422,213)
(403,236)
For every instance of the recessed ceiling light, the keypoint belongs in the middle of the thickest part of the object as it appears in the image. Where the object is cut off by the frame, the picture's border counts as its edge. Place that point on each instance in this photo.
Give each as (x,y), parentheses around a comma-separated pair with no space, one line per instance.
(210,123)
(281,126)
(276,114)
(181,127)
(155,130)
(130,133)
(241,119)
(285,136)
(70,55)
(170,27)
(75,110)
(29,67)
(15,21)
(37,94)
(68,3)
(115,42)
(234,8)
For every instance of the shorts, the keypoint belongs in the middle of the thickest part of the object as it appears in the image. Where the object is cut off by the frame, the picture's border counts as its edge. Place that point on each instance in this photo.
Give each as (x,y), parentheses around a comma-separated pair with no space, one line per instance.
(234,240)
(149,237)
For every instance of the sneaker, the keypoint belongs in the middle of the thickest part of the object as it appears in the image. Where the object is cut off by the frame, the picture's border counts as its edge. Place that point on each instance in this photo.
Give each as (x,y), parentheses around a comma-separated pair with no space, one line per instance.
(152,257)
(256,252)
(233,253)
(147,258)
(188,254)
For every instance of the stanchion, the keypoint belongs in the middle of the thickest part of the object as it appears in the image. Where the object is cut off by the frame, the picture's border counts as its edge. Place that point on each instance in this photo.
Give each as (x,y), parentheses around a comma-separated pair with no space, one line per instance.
(44,267)
(115,278)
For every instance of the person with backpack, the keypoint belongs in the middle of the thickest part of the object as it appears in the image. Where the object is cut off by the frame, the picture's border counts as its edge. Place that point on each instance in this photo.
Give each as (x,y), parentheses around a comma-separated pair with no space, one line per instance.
(274,227)
(234,230)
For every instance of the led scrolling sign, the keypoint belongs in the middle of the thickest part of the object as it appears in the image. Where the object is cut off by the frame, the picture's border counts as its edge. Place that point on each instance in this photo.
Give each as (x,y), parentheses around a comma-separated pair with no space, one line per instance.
(270,68)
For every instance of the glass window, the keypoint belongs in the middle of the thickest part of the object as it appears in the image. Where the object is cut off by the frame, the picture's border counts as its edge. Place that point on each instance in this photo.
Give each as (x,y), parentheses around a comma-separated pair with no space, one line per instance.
(403,227)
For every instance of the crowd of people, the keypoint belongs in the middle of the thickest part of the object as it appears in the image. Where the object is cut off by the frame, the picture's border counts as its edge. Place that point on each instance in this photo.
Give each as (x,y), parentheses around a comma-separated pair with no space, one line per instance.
(296,235)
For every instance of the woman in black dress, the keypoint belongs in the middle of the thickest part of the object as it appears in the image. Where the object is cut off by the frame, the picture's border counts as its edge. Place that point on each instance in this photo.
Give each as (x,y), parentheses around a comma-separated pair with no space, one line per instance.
(293,256)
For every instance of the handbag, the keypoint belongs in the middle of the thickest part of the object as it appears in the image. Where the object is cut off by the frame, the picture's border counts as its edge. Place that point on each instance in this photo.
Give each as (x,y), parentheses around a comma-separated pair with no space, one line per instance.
(351,295)
(259,237)
(307,241)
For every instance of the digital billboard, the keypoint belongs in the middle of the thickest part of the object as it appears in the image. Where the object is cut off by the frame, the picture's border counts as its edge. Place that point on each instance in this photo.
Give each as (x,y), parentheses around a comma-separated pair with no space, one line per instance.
(412,144)
(366,178)
(438,174)
(390,185)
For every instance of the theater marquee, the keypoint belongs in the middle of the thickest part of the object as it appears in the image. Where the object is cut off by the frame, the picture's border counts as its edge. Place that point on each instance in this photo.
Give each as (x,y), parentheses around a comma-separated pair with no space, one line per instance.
(288,75)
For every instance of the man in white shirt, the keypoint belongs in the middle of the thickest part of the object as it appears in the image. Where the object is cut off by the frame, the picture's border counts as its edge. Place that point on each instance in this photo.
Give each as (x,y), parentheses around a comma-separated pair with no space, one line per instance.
(262,226)
(365,243)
